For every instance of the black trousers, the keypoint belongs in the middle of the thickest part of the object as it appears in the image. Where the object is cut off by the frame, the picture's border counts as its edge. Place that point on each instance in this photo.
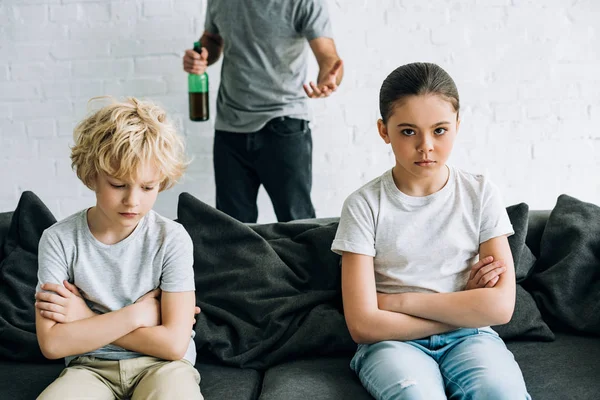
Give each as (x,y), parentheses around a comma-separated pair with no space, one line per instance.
(279,156)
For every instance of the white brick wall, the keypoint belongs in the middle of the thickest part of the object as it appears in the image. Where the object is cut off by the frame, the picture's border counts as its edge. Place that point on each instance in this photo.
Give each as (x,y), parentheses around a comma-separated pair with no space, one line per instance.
(528,73)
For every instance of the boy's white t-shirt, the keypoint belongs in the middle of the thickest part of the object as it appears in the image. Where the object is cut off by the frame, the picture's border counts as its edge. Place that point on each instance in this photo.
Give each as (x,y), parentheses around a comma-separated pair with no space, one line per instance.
(157,254)
(422,244)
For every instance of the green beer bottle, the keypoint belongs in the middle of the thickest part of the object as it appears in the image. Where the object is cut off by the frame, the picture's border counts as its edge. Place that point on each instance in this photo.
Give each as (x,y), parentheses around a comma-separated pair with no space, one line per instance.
(198,92)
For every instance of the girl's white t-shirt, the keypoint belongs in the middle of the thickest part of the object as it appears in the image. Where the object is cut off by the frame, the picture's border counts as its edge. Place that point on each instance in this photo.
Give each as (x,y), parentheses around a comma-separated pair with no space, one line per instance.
(422,244)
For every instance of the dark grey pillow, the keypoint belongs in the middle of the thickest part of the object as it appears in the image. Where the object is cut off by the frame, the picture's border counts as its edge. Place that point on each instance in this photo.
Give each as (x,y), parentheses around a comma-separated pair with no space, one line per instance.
(267,292)
(566,278)
(18,279)
(526,322)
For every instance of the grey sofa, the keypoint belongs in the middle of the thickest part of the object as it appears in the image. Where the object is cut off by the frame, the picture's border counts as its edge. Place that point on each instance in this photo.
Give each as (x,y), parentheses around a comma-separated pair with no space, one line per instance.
(566,368)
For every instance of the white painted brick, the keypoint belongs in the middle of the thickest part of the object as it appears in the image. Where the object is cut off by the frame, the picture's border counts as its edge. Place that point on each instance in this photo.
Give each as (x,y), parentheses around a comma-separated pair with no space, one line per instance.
(65,13)
(100,31)
(168,28)
(149,47)
(42,109)
(76,89)
(41,128)
(159,8)
(190,8)
(3,73)
(137,87)
(18,91)
(12,129)
(66,126)
(21,2)
(36,32)
(125,11)
(55,148)
(32,14)
(573,110)
(43,71)
(85,49)
(508,112)
(5,110)
(5,16)
(24,52)
(20,147)
(99,69)
(95,12)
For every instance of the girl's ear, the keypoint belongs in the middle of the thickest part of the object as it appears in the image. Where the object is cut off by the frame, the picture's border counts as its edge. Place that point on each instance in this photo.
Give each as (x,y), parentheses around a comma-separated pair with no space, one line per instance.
(383,131)
(457,124)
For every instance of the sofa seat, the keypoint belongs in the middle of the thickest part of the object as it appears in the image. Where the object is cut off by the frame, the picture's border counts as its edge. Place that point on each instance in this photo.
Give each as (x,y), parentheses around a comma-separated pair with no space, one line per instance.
(568,368)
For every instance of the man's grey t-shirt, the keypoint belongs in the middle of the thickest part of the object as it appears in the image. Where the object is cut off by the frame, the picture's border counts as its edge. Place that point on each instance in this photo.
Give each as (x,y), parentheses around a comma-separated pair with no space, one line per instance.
(422,244)
(265,57)
(158,253)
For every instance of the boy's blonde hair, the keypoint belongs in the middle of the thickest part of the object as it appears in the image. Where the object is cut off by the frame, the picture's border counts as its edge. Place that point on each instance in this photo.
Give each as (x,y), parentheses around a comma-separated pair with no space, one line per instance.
(120,137)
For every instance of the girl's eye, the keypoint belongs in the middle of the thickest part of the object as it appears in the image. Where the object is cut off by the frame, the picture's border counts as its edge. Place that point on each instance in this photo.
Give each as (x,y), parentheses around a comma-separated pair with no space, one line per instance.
(148,189)
(117,186)
(440,131)
(407,132)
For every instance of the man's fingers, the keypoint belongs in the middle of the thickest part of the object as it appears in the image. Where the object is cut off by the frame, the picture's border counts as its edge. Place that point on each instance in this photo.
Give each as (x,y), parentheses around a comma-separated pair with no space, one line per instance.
(191,53)
(307,90)
(72,288)
(204,54)
(197,310)
(315,89)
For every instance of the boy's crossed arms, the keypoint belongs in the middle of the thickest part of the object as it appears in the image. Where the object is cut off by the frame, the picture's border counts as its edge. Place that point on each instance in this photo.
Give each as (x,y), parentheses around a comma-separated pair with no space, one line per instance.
(157,324)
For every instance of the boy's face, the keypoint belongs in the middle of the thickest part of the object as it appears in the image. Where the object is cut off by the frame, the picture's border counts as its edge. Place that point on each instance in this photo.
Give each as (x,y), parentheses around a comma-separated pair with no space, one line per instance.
(120,204)
(421,131)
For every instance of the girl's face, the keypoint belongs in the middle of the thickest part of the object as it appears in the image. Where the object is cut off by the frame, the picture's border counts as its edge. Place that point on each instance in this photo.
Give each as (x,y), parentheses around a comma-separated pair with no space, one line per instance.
(421,131)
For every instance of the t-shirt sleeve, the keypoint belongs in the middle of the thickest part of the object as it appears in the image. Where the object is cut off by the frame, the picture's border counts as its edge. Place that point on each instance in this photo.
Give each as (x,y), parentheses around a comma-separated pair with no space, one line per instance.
(356,230)
(494,218)
(312,21)
(52,262)
(178,267)
(209,22)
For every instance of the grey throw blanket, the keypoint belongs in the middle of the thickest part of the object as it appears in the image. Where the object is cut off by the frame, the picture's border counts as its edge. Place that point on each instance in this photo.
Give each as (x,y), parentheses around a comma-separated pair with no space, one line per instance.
(267,292)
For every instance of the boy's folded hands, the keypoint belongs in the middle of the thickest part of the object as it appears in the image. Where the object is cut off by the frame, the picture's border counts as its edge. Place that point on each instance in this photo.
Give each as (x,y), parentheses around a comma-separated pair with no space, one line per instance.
(64,304)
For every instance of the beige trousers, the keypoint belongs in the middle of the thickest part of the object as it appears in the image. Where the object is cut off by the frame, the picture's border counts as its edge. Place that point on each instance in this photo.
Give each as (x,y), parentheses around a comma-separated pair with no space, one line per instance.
(142,378)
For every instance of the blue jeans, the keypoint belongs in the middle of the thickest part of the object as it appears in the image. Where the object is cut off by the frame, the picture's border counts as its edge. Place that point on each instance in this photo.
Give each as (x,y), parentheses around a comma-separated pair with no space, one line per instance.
(462,364)
(279,156)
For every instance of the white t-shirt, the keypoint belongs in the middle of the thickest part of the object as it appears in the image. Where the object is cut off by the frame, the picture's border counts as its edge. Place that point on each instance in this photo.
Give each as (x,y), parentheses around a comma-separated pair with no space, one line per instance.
(159,253)
(422,244)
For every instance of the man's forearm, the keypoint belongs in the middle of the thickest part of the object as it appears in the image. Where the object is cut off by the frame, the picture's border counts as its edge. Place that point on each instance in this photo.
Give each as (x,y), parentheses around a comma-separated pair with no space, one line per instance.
(213,46)
(469,309)
(88,334)
(158,341)
(326,66)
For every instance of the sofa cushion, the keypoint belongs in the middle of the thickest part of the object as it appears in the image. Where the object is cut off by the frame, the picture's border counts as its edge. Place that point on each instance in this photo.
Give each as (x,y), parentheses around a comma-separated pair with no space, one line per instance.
(564,369)
(566,278)
(314,379)
(5,218)
(19,380)
(267,292)
(18,278)
(526,322)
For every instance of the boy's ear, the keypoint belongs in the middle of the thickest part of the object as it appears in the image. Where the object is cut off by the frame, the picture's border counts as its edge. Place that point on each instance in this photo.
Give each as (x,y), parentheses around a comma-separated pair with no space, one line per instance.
(383,131)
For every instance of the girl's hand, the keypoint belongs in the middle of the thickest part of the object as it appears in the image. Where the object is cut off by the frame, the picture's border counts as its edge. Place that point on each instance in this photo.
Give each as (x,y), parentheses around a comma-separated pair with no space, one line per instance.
(485,273)
(62,304)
